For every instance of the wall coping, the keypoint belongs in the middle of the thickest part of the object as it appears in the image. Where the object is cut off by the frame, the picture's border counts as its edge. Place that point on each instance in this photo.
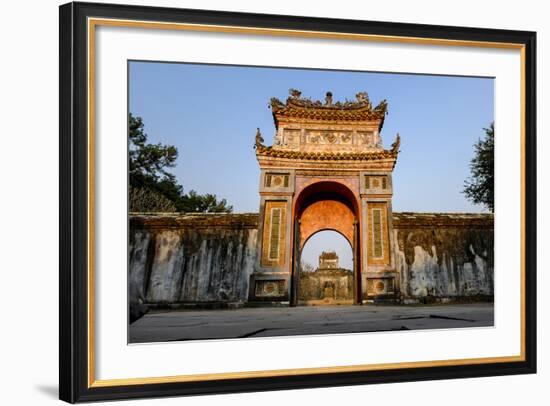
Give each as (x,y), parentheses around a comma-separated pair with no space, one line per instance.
(417,219)
(251,220)
(194,220)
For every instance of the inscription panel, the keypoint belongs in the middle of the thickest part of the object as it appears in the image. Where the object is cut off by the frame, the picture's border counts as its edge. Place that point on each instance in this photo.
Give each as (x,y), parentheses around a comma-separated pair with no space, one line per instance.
(274,234)
(377,234)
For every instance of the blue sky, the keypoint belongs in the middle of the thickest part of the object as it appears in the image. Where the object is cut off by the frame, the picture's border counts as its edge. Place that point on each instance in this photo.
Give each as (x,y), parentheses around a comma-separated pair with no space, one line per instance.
(210,113)
(328,240)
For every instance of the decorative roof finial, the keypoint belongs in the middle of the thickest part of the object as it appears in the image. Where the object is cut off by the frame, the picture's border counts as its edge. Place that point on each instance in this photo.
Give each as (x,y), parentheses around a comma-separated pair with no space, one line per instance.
(396,144)
(328,99)
(295,93)
(259,139)
(362,97)
(382,107)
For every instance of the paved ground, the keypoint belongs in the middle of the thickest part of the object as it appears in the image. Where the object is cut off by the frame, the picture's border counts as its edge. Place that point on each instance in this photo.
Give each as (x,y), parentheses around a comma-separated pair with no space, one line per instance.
(265,322)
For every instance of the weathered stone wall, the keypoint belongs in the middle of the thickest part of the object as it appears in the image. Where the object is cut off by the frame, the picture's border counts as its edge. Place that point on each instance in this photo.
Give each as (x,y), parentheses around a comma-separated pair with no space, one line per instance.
(444,255)
(208,258)
(191,258)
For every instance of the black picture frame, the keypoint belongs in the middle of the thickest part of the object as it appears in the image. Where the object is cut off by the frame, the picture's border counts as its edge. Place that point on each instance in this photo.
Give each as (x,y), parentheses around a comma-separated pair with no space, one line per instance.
(74,383)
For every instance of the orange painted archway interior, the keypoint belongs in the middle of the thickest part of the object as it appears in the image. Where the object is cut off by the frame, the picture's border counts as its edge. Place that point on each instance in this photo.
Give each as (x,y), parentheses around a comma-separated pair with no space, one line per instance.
(326,215)
(328,205)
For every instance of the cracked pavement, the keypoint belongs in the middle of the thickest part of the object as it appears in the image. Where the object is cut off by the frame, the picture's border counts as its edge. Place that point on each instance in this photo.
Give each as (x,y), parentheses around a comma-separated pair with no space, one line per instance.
(183,325)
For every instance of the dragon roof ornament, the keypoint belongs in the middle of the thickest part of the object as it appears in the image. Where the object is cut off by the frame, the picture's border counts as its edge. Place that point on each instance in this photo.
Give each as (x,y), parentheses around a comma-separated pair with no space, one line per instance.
(311,130)
(361,103)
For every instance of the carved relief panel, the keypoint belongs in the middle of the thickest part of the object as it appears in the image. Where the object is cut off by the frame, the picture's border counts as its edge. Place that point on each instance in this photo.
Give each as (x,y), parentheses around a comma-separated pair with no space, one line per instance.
(327,137)
(376,183)
(291,138)
(277,182)
(369,139)
(270,288)
(380,286)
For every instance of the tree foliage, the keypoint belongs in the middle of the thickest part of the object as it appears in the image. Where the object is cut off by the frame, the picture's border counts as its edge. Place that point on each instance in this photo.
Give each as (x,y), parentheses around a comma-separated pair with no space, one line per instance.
(207,203)
(143,199)
(479,188)
(148,162)
(150,178)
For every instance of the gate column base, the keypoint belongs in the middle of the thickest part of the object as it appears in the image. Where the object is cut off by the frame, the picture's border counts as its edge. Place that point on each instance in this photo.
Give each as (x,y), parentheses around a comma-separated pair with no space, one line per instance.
(273,287)
(380,286)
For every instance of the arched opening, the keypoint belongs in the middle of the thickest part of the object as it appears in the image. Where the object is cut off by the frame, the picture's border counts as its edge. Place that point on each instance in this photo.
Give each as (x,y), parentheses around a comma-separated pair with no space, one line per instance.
(326,205)
(326,270)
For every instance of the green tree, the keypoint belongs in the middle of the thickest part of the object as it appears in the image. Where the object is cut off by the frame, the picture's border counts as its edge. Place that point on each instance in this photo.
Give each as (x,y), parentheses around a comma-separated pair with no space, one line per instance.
(152,186)
(479,188)
(143,199)
(149,163)
(306,267)
(207,203)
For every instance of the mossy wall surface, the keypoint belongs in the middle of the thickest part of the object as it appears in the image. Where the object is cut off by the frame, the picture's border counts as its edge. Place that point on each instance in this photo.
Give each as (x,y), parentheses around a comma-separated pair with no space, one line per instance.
(444,255)
(191,258)
(208,258)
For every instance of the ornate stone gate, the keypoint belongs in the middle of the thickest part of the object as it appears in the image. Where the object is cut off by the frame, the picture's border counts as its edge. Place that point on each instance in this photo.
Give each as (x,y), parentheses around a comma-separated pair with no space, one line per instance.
(327,169)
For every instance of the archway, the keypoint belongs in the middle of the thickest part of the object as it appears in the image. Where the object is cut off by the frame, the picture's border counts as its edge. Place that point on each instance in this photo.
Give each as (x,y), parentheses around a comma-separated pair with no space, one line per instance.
(326,270)
(326,169)
(326,205)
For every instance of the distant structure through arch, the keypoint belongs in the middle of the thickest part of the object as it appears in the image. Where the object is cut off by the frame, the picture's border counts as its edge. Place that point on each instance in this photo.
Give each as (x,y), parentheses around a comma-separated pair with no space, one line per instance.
(328,283)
